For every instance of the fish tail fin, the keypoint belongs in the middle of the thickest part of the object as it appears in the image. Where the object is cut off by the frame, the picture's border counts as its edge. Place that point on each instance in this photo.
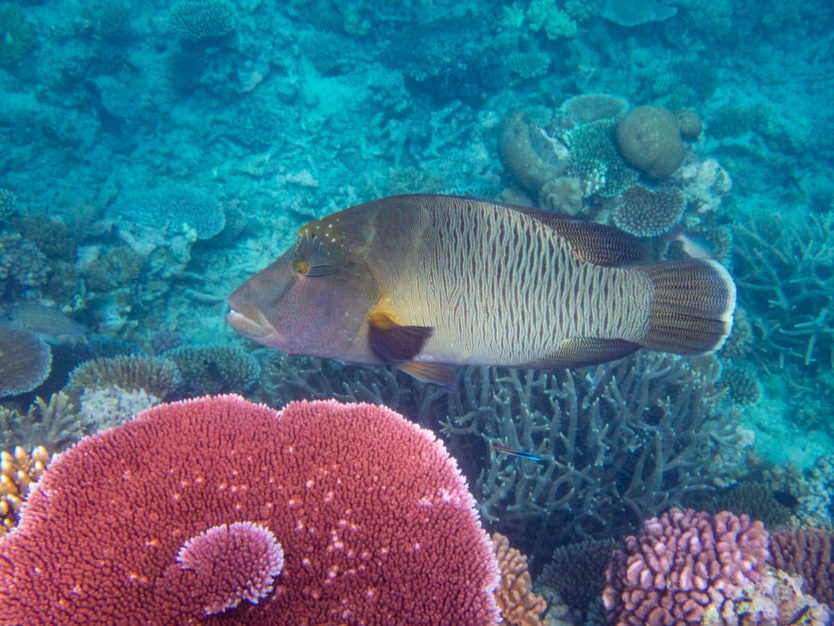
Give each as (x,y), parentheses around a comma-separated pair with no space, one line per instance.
(692,307)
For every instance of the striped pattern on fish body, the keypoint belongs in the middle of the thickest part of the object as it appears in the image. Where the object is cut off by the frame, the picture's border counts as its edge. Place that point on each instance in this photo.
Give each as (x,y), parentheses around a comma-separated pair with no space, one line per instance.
(423,280)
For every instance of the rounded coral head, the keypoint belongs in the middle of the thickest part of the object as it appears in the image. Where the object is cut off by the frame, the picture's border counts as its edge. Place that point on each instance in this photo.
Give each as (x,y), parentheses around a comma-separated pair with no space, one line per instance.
(649,139)
(175,517)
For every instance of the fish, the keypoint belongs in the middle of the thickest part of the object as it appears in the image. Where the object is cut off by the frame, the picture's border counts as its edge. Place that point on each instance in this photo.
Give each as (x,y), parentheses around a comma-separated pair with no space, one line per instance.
(693,247)
(48,323)
(529,456)
(429,282)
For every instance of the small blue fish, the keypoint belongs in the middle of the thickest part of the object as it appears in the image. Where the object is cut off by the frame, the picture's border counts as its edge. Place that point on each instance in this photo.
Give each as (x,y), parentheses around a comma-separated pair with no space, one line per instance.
(529,456)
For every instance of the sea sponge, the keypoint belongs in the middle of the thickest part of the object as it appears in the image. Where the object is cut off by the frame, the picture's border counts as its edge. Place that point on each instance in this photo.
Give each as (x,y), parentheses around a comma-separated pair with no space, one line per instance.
(194,20)
(649,139)
(25,361)
(645,212)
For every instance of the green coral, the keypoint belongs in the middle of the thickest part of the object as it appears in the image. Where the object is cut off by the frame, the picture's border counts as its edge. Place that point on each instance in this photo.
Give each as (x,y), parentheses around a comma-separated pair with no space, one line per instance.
(193,20)
(17,36)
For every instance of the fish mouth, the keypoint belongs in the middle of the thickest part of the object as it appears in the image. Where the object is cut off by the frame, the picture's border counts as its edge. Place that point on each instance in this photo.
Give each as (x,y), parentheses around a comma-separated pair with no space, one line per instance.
(254,326)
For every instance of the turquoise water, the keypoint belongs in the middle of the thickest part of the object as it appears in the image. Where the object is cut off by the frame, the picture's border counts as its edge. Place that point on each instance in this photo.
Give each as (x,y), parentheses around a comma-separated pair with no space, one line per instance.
(153,156)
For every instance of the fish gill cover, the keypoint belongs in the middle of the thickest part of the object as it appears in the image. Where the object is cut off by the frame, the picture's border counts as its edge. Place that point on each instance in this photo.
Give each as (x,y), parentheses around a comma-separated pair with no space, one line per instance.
(155,155)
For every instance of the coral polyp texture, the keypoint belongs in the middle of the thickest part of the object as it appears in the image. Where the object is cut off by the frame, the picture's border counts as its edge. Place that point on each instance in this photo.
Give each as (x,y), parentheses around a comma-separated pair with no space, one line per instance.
(25,361)
(649,139)
(685,567)
(808,553)
(19,470)
(373,516)
(519,605)
(648,212)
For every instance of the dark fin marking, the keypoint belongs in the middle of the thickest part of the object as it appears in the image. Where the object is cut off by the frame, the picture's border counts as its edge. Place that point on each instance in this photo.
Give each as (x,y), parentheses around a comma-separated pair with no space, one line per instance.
(692,307)
(394,343)
(592,242)
(437,373)
(581,351)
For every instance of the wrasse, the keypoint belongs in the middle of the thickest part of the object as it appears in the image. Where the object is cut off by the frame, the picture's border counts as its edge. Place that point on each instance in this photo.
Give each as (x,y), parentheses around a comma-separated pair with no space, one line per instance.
(521,454)
(426,282)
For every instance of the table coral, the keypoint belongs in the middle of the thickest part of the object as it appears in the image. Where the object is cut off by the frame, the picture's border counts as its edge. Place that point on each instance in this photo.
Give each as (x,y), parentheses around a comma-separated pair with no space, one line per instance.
(373,516)
(25,361)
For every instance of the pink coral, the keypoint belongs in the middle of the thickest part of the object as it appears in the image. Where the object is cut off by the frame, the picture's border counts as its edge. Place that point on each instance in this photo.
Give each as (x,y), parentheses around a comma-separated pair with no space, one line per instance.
(682,565)
(374,517)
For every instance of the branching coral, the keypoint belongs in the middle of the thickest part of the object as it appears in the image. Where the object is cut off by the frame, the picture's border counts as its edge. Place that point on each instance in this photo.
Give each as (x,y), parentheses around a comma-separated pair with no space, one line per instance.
(617,442)
(54,423)
(518,604)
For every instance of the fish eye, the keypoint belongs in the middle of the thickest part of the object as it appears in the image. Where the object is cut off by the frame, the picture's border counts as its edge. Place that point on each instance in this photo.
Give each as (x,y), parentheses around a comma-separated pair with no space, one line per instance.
(301,266)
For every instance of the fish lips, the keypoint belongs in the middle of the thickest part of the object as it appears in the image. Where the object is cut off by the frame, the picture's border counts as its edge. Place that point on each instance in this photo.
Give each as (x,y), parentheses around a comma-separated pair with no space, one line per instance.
(254,326)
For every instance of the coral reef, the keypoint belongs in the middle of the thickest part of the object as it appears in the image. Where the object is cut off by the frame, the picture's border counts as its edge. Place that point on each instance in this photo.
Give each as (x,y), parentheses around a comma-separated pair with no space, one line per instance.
(577,573)
(157,376)
(7,203)
(22,265)
(649,139)
(53,422)
(195,20)
(683,567)
(25,361)
(591,107)
(808,553)
(528,153)
(214,369)
(648,212)
(231,563)
(595,159)
(172,209)
(741,384)
(756,500)
(370,525)
(18,470)
(518,604)
(618,442)
(628,13)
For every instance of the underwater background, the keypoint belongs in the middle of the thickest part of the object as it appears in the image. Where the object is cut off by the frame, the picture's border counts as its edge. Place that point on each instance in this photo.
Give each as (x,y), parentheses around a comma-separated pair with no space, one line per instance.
(154,155)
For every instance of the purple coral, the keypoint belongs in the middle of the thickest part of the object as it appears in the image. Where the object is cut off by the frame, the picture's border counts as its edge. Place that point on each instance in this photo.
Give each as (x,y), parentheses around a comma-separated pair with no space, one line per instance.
(682,565)
(231,564)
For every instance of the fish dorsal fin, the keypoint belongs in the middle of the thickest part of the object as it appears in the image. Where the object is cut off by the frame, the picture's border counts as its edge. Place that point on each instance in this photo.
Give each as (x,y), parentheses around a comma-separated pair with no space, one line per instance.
(392,342)
(591,242)
(580,351)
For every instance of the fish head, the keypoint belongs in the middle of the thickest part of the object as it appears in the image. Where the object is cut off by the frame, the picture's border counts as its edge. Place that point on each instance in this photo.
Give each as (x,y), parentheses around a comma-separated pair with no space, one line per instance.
(312,300)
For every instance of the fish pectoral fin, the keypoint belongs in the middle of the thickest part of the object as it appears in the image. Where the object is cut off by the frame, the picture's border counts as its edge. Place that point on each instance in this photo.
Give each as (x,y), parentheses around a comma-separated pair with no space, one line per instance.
(579,351)
(393,342)
(437,373)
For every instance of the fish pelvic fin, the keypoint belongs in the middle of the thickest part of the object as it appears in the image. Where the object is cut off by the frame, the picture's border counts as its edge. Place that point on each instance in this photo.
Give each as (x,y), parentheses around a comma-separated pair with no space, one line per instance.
(392,342)
(692,307)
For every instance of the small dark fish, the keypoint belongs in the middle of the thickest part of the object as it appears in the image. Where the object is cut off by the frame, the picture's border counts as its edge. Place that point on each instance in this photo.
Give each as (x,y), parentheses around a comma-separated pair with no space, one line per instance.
(529,456)
(785,499)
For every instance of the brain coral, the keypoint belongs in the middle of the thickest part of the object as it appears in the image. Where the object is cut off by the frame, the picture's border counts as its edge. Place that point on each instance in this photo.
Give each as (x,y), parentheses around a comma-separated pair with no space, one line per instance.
(649,139)
(373,516)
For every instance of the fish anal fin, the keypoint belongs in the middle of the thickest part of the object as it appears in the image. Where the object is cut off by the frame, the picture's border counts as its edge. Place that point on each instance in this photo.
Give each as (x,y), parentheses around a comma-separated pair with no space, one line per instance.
(392,342)
(581,351)
(592,242)
(437,373)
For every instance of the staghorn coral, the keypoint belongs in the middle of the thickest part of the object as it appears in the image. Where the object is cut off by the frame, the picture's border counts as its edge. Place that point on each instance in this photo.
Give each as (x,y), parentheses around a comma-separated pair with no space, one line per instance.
(617,441)
(157,376)
(577,573)
(232,563)
(18,470)
(196,20)
(808,553)
(594,158)
(54,423)
(373,516)
(25,361)
(649,139)
(648,212)
(214,369)
(683,567)
(518,604)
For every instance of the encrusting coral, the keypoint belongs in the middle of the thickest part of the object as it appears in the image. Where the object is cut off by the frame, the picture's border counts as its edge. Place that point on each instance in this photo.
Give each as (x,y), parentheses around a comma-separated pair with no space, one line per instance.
(19,470)
(370,526)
